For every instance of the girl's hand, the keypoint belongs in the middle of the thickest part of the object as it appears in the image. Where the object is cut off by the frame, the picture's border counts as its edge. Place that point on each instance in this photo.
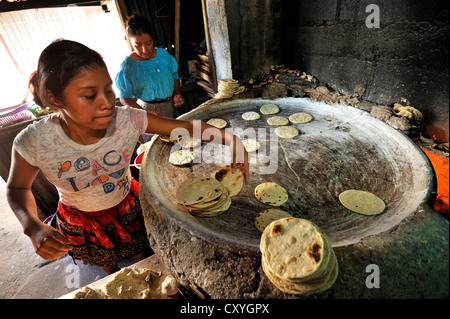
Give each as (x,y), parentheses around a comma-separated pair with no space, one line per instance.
(48,242)
(243,167)
(240,158)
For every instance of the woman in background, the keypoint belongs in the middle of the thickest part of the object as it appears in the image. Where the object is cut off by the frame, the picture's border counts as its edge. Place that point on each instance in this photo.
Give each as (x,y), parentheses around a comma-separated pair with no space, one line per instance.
(149,74)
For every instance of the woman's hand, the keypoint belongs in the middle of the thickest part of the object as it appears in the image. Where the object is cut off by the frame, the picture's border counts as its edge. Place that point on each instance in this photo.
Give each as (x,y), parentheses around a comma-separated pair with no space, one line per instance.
(48,242)
(178,100)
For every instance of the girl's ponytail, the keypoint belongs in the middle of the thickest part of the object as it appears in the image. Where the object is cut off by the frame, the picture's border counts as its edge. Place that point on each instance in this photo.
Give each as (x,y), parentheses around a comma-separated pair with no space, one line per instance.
(33,87)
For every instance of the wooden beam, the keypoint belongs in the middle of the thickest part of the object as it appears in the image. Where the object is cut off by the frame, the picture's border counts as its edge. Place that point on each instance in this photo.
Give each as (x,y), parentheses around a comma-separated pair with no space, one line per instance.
(212,65)
(177,31)
(218,41)
(123,15)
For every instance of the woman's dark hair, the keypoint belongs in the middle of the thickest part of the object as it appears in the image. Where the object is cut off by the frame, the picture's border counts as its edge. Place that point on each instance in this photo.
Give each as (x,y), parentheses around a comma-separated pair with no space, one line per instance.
(138,25)
(58,64)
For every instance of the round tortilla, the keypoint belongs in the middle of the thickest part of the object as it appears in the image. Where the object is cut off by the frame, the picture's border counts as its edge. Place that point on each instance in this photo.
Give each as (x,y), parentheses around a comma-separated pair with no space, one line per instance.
(166,138)
(271,193)
(189,142)
(251,116)
(362,202)
(277,120)
(269,108)
(251,145)
(300,117)
(181,157)
(267,216)
(217,122)
(233,182)
(286,131)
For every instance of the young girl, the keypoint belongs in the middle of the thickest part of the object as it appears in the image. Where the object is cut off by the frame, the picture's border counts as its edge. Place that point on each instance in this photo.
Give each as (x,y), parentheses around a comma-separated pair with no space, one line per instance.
(85,149)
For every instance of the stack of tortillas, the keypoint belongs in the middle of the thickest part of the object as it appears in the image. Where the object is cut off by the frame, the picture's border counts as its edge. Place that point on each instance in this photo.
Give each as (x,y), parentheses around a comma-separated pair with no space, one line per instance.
(227,88)
(297,256)
(210,196)
(203,196)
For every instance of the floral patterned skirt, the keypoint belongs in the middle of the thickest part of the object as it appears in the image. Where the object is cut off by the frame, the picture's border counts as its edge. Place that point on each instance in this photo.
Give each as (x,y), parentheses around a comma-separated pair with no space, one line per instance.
(105,237)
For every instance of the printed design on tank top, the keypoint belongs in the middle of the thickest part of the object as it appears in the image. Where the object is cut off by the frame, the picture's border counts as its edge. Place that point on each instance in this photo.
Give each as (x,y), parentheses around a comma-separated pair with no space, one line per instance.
(106,172)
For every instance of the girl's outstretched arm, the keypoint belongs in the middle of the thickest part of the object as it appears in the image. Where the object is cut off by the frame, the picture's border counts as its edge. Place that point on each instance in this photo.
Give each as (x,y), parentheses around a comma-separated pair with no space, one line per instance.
(48,242)
(205,132)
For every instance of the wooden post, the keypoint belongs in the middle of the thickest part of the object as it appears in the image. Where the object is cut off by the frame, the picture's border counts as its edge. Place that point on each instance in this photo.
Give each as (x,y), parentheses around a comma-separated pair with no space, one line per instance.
(123,14)
(177,30)
(212,65)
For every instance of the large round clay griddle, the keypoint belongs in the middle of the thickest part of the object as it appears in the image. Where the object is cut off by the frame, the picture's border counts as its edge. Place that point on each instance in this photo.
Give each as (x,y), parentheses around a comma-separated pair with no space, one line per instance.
(342,148)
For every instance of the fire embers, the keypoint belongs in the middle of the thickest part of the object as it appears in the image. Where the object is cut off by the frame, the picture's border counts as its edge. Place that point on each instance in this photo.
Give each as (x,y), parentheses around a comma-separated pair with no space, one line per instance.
(297,257)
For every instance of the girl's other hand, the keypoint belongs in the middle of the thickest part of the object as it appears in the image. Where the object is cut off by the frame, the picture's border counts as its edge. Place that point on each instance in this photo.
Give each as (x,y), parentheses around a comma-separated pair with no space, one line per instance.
(48,242)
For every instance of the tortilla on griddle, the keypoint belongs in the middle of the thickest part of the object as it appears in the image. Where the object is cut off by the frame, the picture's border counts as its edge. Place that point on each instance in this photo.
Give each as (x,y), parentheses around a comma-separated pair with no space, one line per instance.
(269,108)
(181,157)
(251,116)
(217,122)
(271,193)
(166,138)
(233,181)
(362,202)
(300,118)
(251,145)
(286,131)
(277,120)
(267,216)
(189,142)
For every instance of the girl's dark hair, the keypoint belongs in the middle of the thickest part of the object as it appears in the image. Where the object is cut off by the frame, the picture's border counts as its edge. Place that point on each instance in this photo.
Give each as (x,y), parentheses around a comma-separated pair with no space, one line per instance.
(58,64)
(138,25)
